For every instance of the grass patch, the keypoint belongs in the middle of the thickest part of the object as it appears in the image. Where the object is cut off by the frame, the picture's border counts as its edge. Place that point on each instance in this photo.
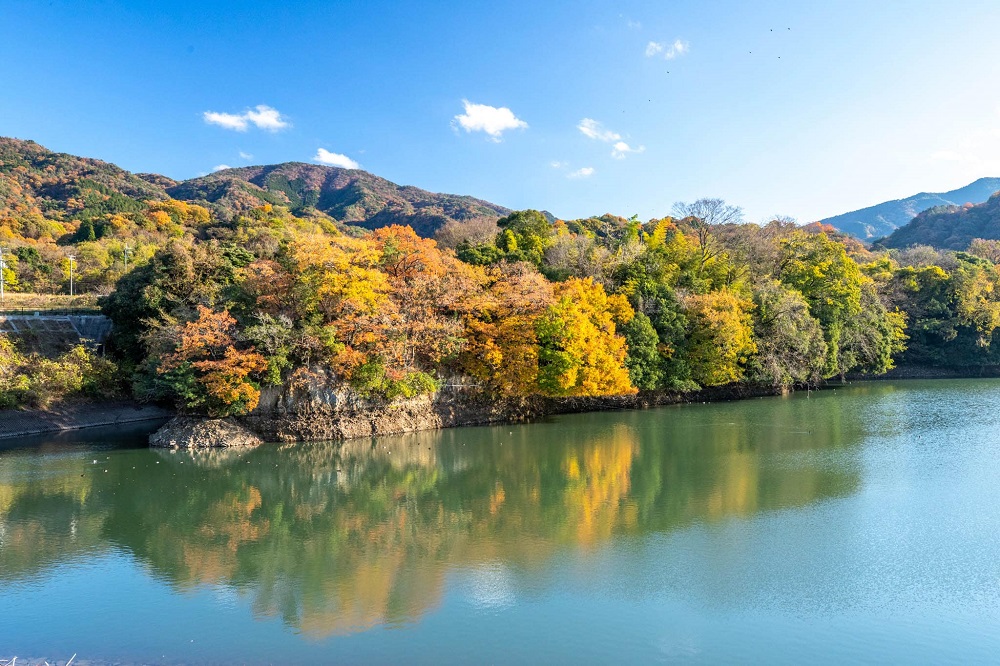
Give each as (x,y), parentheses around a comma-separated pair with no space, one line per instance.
(15,302)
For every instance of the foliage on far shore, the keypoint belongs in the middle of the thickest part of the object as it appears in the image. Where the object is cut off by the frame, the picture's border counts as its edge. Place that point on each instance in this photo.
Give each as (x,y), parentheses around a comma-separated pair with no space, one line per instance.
(210,305)
(605,306)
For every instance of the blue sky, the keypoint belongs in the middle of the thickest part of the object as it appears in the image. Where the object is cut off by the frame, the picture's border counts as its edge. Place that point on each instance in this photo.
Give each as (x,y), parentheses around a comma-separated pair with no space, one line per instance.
(806,109)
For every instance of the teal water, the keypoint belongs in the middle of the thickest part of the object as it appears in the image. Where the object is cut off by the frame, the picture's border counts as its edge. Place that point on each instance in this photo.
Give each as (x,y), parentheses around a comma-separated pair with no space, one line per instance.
(856,525)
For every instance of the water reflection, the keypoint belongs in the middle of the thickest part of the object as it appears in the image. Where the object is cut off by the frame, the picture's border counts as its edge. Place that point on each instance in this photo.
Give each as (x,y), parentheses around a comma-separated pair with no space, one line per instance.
(337,539)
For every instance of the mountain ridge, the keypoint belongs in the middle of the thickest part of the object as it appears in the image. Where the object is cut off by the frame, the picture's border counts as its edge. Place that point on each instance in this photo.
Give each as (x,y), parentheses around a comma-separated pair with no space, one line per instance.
(61,186)
(949,227)
(884,218)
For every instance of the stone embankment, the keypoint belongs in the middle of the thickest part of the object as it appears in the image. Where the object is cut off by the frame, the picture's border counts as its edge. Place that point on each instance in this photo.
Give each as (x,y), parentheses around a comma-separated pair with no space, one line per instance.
(51,334)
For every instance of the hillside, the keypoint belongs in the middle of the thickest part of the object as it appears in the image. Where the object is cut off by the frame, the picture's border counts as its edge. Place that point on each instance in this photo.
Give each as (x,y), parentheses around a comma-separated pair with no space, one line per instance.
(950,227)
(35,181)
(884,218)
(38,183)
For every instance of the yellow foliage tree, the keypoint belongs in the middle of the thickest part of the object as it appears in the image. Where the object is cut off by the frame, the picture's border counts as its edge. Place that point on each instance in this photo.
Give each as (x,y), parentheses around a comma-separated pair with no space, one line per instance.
(580,353)
(721,339)
(501,343)
(338,278)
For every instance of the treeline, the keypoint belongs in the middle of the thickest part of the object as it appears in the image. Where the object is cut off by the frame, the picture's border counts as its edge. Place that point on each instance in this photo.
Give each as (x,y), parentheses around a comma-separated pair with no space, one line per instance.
(590,307)
(210,310)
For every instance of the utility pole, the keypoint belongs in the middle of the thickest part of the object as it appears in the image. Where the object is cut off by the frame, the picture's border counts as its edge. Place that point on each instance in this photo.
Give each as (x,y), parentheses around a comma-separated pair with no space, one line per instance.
(72,258)
(125,250)
(2,266)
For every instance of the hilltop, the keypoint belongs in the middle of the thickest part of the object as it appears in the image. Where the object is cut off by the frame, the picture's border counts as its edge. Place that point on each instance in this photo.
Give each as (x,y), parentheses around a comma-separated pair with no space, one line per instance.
(884,218)
(35,181)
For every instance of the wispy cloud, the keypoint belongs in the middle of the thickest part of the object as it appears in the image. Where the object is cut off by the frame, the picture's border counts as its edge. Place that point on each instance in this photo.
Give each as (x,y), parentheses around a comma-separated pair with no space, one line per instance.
(593,129)
(324,156)
(633,25)
(245,156)
(667,50)
(621,149)
(261,116)
(585,172)
(556,164)
(220,167)
(492,120)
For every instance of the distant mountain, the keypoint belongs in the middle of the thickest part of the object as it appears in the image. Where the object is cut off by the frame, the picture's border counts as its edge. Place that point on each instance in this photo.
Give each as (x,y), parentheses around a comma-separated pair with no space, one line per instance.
(58,186)
(949,227)
(884,218)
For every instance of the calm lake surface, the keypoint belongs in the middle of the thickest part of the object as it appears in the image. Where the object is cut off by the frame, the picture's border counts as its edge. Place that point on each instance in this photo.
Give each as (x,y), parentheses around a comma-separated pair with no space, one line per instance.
(856,525)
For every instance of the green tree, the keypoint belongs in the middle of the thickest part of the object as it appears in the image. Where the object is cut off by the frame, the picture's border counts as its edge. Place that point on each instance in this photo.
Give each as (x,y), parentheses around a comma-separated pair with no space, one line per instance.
(790,344)
(830,281)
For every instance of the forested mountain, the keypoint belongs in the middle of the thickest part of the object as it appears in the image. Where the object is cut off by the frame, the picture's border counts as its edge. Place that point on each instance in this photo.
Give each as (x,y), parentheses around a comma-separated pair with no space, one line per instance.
(349,196)
(950,227)
(884,218)
(42,187)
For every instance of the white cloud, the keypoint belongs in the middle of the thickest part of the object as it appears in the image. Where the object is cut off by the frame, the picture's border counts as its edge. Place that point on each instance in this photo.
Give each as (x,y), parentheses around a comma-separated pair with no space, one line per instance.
(668,51)
(262,117)
(220,167)
(324,156)
(585,172)
(621,149)
(556,164)
(490,119)
(634,25)
(592,129)
(595,130)
(245,156)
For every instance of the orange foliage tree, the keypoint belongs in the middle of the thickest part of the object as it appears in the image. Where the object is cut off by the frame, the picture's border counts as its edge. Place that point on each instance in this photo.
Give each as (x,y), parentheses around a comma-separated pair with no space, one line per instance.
(501,341)
(206,369)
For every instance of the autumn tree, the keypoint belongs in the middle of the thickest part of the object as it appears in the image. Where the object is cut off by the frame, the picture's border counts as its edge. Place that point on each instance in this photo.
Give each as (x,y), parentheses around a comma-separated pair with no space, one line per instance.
(206,369)
(721,339)
(580,352)
(501,340)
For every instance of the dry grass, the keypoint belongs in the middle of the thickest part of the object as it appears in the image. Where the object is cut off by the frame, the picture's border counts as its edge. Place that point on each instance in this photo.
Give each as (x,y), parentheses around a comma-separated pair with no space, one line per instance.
(32,302)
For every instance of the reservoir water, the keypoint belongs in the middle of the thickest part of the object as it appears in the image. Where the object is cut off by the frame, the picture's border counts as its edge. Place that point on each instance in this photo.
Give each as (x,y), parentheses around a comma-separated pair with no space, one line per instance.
(853,525)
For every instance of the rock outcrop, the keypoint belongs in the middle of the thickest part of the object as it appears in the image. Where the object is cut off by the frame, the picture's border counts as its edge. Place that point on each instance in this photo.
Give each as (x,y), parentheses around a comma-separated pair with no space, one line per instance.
(192,432)
(319,408)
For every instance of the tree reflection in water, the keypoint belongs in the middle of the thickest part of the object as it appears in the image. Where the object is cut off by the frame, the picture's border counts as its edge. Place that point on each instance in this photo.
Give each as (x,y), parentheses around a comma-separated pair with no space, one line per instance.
(339,538)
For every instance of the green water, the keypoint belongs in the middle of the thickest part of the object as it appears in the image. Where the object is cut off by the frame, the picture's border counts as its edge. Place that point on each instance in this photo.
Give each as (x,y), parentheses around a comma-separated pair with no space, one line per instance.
(854,525)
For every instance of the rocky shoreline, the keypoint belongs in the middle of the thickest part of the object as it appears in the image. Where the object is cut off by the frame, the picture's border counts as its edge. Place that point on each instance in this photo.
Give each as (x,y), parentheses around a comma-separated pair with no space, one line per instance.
(319,412)
(192,432)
